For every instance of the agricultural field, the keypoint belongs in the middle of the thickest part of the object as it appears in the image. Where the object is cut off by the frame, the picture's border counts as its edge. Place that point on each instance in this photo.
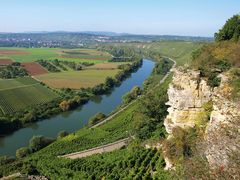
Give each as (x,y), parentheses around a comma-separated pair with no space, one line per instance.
(34,54)
(20,93)
(34,68)
(4,62)
(107,65)
(76,79)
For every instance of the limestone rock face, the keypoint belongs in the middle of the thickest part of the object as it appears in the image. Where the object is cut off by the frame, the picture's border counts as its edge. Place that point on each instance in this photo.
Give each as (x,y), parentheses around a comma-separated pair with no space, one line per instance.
(187,93)
(223,131)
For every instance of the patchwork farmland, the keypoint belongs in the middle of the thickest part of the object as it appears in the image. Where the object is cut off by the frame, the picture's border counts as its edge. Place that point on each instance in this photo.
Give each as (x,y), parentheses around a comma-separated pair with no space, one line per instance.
(34,54)
(20,93)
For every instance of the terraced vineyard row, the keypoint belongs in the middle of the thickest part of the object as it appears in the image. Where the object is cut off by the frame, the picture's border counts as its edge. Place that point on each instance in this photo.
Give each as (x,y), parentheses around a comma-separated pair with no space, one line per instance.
(12,100)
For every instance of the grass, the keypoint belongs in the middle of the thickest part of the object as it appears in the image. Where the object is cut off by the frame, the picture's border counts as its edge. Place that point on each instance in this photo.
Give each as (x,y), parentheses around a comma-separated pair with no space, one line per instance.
(76,79)
(33,54)
(18,94)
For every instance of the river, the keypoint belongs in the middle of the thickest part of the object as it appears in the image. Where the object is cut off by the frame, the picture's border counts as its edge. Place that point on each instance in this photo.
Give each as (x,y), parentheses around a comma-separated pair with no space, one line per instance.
(73,120)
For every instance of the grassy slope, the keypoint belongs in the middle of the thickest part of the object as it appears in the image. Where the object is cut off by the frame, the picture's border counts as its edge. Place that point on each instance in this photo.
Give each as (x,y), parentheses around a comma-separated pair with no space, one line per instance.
(178,50)
(76,79)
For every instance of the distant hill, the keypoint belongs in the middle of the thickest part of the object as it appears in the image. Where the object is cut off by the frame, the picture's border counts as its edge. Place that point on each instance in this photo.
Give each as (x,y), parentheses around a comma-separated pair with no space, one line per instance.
(79,39)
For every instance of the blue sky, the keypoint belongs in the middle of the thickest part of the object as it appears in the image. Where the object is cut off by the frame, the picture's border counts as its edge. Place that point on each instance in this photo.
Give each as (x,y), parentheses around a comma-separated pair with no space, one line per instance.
(178,17)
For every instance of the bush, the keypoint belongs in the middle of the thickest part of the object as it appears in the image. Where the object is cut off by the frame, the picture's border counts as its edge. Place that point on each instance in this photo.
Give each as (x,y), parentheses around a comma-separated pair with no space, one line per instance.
(22,152)
(38,142)
(133,94)
(214,80)
(97,118)
(62,134)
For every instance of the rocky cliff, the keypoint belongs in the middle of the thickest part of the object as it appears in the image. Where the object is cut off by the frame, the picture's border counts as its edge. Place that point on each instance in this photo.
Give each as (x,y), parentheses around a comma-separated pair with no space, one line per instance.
(188,96)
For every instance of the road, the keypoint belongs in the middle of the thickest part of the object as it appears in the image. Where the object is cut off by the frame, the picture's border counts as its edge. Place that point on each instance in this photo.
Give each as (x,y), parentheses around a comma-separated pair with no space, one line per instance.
(98,150)
(117,144)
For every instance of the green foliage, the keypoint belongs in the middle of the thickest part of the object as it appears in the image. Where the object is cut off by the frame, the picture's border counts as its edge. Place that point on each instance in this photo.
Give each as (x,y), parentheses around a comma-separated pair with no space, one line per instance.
(23,152)
(132,95)
(48,65)
(212,60)
(154,110)
(230,30)
(163,66)
(38,142)
(181,144)
(62,134)
(12,71)
(214,80)
(96,119)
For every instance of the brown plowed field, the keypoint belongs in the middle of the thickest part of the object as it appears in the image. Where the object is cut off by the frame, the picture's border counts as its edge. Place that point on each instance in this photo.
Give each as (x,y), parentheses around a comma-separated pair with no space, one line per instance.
(12,52)
(34,68)
(5,61)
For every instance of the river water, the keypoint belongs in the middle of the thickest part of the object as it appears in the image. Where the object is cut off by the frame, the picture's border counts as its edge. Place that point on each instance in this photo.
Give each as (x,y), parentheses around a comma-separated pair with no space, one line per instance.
(74,120)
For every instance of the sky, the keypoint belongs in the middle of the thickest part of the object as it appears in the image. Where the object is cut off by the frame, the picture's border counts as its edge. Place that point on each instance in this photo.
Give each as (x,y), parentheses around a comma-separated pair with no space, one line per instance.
(160,17)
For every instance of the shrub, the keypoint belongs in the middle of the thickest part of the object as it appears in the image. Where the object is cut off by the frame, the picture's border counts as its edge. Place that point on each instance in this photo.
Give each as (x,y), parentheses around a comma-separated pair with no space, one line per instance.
(22,152)
(97,118)
(214,80)
(133,94)
(62,134)
(38,142)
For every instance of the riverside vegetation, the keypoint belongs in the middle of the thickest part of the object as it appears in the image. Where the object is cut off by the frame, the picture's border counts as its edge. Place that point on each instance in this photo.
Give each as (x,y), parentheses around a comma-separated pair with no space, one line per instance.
(58,100)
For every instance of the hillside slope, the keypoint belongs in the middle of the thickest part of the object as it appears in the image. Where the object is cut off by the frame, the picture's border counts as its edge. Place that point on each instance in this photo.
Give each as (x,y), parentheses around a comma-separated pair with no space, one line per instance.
(204,120)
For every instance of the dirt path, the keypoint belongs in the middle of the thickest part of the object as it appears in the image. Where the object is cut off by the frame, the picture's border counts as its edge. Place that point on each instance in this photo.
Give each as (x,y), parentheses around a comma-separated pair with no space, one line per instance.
(98,150)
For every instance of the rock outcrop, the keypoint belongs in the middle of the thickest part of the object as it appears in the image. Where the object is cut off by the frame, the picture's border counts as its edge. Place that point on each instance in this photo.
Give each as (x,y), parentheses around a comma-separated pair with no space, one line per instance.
(223,131)
(188,93)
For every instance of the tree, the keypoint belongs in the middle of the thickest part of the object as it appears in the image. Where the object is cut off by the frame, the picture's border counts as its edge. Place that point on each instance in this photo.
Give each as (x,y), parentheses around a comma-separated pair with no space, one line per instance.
(133,94)
(38,142)
(230,31)
(62,134)
(97,118)
(23,152)
(64,105)
(109,82)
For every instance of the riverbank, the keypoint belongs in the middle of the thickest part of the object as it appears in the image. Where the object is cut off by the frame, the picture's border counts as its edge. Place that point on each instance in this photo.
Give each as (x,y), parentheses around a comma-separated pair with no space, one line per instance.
(68,100)
(71,121)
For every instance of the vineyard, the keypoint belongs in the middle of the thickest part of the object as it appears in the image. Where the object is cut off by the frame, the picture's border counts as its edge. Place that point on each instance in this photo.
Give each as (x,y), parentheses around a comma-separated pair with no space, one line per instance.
(18,94)
(15,83)
(130,163)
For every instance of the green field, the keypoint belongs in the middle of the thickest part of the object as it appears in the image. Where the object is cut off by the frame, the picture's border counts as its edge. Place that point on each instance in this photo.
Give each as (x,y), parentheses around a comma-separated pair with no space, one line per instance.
(34,54)
(76,79)
(20,93)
